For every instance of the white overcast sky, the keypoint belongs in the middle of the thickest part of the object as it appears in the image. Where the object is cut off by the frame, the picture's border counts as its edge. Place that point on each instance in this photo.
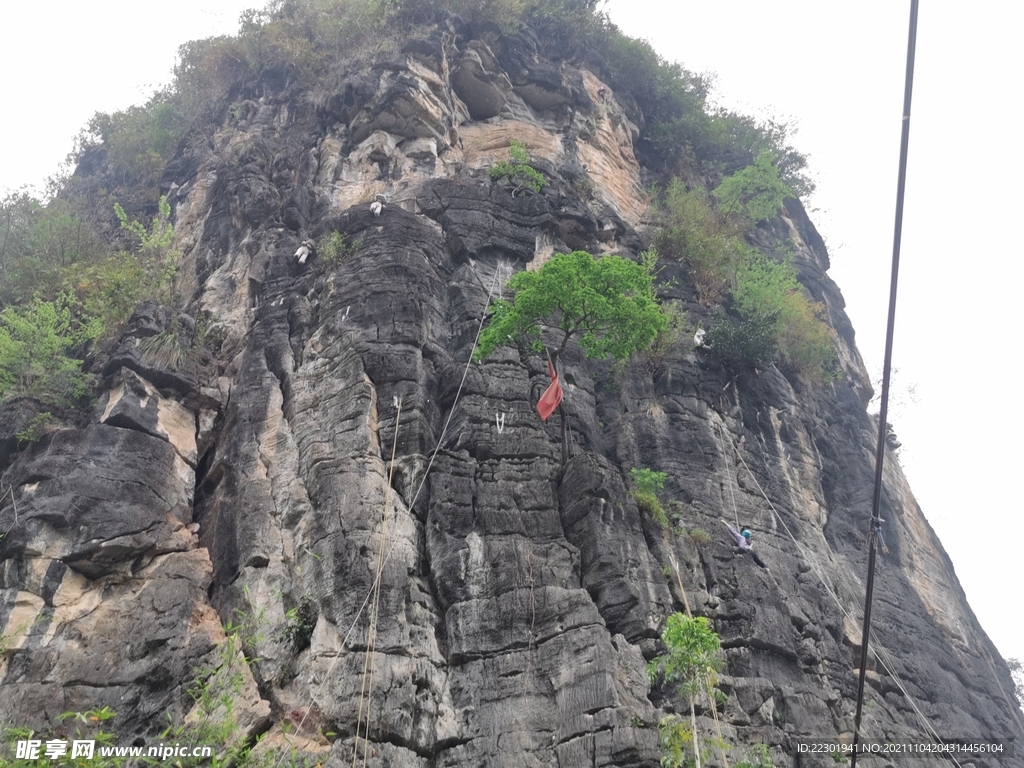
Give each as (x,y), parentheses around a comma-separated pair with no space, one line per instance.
(835,71)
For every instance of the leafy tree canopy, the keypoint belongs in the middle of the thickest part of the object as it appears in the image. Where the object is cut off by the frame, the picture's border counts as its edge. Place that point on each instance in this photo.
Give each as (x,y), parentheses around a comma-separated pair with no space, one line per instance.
(61,291)
(38,245)
(518,170)
(775,313)
(694,654)
(693,660)
(607,303)
(647,480)
(693,230)
(755,192)
(768,292)
(35,352)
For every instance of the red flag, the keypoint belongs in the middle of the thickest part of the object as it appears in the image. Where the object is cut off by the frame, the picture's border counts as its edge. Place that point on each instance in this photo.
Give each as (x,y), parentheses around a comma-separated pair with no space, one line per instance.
(552,396)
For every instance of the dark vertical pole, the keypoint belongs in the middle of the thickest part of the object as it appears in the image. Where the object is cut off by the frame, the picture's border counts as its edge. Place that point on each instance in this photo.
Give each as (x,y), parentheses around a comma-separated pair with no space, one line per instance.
(886,373)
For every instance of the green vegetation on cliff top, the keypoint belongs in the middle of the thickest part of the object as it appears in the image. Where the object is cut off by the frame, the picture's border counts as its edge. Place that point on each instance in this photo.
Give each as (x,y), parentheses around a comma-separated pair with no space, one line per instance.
(306,43)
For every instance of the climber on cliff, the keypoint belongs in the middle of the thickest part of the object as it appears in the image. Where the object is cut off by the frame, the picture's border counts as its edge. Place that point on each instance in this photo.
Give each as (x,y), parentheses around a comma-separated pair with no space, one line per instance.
(743,543)
(307,248)
(378,205)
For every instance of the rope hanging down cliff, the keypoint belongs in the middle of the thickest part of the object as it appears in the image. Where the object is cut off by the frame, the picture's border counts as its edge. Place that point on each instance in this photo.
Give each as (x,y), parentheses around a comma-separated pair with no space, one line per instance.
(412,503)
(366,690)
(707,689)
(881,655)
(728,472)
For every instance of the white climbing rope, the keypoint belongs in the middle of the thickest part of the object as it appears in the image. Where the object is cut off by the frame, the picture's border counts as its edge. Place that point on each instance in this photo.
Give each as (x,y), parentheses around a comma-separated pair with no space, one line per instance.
(366,690)
(411,505)
(708,686)
(873,644)
(728,475)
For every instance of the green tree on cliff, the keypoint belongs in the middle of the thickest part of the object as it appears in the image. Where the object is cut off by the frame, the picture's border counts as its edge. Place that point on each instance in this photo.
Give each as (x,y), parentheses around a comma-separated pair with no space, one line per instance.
(36,360)
(607,304)
(754,193)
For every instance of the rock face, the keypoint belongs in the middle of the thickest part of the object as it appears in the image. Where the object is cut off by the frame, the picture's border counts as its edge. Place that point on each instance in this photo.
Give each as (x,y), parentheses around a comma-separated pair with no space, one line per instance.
(340,439)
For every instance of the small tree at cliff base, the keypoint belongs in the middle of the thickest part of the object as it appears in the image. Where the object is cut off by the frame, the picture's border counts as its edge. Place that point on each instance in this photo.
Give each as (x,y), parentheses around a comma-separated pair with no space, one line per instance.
(692,661)
(607,304)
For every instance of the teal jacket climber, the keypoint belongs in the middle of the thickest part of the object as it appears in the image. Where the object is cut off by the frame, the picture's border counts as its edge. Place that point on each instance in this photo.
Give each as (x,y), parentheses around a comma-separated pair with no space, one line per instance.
(743,543)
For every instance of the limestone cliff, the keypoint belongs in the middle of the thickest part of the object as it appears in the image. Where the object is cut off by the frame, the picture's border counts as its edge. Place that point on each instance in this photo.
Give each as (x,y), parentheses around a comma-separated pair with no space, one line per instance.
(519,599)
